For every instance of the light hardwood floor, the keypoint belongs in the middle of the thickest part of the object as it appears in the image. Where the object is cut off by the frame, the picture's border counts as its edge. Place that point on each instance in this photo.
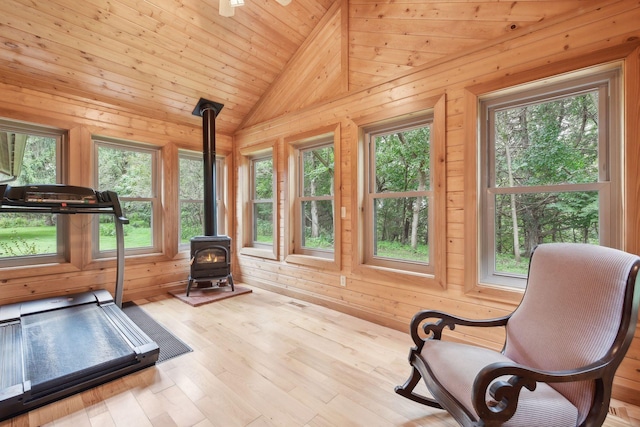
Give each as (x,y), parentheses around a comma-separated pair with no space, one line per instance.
(262,359)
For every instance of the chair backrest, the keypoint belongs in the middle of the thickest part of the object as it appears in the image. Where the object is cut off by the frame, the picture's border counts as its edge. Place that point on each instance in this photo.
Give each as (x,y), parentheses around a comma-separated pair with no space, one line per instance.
(572,312)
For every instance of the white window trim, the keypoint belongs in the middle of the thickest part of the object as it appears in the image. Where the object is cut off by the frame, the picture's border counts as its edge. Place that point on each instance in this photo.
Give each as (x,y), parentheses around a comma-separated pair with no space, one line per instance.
(438,253)
(187,155)
(254,202)
(370,133)
(295,253)
(247,156)
(221,208)
(155,199)
(62,254)
(609,187)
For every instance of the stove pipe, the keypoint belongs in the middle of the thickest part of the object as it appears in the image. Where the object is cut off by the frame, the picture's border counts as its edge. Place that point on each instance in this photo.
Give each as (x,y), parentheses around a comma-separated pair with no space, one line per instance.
(209,110)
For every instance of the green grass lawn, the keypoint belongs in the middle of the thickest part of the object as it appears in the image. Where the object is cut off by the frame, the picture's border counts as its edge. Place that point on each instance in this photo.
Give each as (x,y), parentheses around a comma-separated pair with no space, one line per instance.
(396,250)
(20,241)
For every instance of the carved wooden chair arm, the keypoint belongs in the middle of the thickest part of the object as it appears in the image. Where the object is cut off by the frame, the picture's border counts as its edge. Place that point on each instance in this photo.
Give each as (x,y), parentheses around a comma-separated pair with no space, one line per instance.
(433,330)
(505,393)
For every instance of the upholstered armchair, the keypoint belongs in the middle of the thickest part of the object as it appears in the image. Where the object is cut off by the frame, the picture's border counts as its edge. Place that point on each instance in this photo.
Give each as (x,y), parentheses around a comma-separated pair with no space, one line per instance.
(563,345)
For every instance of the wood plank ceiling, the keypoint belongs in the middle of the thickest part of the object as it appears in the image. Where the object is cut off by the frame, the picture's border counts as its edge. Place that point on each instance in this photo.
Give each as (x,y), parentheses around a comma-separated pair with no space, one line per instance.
(158,57)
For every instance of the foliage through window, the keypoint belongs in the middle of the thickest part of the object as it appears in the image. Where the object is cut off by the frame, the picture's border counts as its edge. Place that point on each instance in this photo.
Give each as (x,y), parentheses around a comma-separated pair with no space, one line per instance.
(30,155)
(191,195)
(262,178)
(315,204)
(131,171)
(551,172)
(399,195)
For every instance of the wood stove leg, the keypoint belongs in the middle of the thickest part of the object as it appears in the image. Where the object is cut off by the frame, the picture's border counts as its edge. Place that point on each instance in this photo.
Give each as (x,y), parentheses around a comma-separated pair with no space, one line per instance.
(189,285)
(230,282)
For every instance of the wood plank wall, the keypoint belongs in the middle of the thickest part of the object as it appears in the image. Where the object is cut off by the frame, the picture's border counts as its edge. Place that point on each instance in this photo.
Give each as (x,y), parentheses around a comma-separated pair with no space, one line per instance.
(390,37)
(598,32)
(592,36)
(315,70)
(144,275)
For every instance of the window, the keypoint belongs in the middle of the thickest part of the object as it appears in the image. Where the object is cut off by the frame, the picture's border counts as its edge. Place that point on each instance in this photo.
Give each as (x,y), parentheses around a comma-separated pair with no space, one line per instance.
(262,201)
(31,155)
(399,195)
(551,161)
(131,170)
(315,204)
(258,184)
(313,236)
(191,195)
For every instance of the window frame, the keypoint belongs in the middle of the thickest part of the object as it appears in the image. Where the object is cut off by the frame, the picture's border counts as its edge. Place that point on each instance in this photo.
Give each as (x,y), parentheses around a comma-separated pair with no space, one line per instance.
(608,81)
(220,192)
(155,199)
(247,156)
(63,251)
(254,201)
(318,144)
(370,133)
(295,253)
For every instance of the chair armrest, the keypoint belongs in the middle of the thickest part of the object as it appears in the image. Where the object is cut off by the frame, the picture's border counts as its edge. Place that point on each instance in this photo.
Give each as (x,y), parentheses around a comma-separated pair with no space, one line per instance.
(506,393)
(433,330)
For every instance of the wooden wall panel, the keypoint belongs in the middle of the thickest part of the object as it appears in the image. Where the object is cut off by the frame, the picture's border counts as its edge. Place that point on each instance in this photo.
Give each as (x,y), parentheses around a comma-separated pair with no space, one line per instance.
(388,37)
(553,46)
(313,75)
(147,66)
(156,58)
(144,275)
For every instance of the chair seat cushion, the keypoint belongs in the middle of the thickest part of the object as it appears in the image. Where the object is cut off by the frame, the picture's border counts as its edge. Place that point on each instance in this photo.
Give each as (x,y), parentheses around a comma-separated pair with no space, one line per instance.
(455,366)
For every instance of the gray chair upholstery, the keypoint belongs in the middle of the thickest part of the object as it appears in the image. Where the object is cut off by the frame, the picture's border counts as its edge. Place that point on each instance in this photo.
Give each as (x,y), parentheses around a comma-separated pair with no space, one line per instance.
(563,345)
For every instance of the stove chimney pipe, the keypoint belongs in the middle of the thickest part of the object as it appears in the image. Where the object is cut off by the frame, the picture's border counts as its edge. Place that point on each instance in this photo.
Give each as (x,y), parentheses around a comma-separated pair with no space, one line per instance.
(209,110)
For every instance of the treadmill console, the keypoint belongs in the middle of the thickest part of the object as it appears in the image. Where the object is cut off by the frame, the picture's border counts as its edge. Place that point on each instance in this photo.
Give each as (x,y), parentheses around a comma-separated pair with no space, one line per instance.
(46,195)
(58,198)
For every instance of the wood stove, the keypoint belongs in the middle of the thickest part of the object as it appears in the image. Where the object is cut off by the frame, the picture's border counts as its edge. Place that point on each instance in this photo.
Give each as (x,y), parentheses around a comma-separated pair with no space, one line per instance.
(210,254)
(210,262)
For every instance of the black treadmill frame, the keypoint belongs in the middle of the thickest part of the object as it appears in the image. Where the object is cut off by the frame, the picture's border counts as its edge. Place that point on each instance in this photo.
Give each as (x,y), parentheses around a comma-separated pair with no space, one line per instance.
(107,203)
(16,392)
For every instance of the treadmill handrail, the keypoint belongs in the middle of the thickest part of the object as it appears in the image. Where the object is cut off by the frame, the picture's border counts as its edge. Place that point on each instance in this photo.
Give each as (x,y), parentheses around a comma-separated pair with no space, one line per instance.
(107,203)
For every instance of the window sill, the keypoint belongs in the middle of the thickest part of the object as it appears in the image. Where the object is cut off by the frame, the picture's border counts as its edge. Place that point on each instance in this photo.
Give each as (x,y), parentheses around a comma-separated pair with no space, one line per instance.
(499,293)
(377,273)
(313,261)
(258,253)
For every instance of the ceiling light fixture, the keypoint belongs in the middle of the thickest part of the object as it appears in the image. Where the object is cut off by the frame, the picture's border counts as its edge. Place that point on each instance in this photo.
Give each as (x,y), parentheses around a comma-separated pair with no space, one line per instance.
(227,7)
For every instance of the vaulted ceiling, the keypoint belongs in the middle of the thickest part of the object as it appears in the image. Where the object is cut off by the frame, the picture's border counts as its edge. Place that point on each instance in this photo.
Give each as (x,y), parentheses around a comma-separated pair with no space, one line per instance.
(158,57)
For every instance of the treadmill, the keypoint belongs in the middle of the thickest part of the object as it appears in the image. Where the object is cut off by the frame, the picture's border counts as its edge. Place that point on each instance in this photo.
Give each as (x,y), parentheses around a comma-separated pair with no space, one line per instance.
(55,347)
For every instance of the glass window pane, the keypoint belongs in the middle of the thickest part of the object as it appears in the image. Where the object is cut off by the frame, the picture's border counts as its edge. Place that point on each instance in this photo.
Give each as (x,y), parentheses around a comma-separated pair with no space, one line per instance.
(191,195)
(127,172)
(523,221)
(554,142)
(38,158)
(318,224)
(402,228)
(402,161)
(317,172)
(191,220)
(263,224)
(191,179)
(33,159)
(137,234)
(263,179)
(26,234)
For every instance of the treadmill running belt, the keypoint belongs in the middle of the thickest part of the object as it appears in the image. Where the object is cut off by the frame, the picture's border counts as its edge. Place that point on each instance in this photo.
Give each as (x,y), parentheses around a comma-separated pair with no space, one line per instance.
(60,343)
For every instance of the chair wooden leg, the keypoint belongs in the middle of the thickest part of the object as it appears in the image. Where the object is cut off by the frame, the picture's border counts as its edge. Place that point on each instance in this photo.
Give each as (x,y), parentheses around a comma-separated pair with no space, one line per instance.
(406,390)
